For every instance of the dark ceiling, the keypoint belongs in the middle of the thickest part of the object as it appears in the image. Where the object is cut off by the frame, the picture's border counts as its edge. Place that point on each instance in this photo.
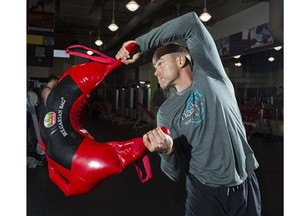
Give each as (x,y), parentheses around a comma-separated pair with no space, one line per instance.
(76,18)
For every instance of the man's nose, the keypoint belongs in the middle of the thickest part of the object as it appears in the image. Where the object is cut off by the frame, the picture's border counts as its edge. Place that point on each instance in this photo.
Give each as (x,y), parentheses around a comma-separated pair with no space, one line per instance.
(156,72)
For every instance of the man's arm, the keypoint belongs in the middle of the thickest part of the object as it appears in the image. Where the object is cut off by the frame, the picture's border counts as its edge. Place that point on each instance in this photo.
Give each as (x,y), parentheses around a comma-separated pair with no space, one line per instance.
(45,92)
(157,141)
(125,56)
(189,28)
(170,163)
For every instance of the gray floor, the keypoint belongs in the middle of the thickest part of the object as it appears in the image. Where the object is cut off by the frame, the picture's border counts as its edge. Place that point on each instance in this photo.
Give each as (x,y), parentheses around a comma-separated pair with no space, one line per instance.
(124,194)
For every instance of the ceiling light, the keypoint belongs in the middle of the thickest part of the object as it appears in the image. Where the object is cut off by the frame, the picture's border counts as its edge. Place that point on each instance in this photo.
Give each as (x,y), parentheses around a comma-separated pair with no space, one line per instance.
(142,82)
(98,42)
(205,16)
(89,52)
(271,59)
(237,56)
(113,26)
(132,5)
(238,64)
(278,48)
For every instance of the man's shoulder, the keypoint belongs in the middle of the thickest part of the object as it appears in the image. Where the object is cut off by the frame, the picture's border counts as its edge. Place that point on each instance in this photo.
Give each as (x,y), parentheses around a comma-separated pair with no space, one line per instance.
(45,88)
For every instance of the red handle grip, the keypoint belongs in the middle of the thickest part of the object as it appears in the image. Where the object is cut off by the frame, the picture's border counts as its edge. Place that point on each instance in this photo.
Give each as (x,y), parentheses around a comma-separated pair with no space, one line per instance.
(131,47)
(165,130)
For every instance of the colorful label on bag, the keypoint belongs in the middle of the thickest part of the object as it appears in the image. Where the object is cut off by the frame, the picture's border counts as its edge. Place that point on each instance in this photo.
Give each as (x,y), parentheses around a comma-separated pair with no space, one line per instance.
(50,119)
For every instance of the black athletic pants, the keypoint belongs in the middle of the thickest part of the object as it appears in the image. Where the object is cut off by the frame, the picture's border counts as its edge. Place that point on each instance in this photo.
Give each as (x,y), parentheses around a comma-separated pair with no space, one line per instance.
(241,200)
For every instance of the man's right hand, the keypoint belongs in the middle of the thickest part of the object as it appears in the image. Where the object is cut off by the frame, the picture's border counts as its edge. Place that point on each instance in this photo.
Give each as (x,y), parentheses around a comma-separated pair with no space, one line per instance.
(125,56)
(158,140)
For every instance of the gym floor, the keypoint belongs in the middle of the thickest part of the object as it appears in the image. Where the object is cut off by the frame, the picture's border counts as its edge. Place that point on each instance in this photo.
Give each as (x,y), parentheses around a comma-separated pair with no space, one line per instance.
(124,194)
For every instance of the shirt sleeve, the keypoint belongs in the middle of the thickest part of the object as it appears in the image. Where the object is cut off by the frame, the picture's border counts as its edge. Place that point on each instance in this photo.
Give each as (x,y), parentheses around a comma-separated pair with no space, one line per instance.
(200,43)
(170,164)
(169,167)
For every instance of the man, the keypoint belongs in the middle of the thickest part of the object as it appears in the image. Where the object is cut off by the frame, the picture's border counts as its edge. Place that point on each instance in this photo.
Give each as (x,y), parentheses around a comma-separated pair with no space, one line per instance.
(204,121)
(51,83)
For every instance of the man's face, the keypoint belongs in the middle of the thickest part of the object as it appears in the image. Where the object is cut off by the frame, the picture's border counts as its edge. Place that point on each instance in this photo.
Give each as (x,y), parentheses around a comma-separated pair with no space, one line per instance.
(166,70)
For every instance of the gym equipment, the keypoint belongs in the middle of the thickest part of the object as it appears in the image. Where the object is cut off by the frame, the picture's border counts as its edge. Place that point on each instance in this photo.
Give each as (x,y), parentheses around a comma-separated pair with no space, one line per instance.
(256,118)
(77,162)
(32,101)
(145,118)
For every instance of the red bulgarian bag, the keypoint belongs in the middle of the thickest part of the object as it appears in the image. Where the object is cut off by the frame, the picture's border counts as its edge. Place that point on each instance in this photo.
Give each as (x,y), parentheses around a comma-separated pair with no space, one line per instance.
(77,162)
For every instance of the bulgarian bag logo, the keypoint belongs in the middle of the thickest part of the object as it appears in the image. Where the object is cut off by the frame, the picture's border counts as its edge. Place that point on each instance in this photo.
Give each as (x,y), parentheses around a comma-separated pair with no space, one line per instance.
(50,119)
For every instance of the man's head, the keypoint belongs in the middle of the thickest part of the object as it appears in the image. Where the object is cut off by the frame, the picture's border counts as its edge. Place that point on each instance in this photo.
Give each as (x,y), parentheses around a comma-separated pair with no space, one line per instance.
(171,48)
(52,80)
(173,66)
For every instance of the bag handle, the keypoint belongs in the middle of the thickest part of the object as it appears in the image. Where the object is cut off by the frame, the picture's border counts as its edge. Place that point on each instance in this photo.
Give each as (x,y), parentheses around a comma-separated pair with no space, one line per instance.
(147,168)
(101,58)
(146,162)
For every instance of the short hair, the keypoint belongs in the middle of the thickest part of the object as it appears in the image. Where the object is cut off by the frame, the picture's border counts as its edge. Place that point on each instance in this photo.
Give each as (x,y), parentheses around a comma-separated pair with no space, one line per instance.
(171,48)
(52,77)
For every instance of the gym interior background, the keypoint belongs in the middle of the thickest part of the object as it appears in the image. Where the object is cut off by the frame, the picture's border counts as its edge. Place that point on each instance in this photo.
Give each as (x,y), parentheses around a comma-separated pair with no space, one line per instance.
(123,102)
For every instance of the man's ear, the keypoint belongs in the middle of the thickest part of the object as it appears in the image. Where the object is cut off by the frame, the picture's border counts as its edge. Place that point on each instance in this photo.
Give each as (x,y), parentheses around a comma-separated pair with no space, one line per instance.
(182,61)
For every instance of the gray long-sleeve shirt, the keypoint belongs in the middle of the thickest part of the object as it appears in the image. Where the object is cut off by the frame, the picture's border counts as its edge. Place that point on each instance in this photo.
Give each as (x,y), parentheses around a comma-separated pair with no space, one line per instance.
(204,119)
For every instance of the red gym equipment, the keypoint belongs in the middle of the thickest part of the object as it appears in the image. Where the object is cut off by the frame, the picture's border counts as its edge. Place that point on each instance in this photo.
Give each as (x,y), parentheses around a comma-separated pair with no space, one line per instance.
(77,162)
